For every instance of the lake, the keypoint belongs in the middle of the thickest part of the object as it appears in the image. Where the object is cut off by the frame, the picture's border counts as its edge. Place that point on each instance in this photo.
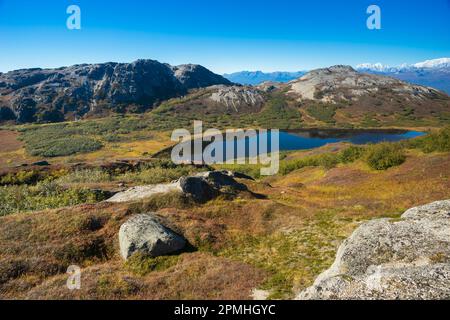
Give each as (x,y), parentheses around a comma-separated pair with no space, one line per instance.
(309,139)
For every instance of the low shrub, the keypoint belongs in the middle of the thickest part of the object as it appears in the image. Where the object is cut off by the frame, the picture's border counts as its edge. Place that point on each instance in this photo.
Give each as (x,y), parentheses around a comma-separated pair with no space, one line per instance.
(142,264)
(323,112)
(156,175)
(160,201)
(326,160)
(21,177)
(384,156)
(63,146)
(86,176)
(351,154)
(434,142)
(44,195)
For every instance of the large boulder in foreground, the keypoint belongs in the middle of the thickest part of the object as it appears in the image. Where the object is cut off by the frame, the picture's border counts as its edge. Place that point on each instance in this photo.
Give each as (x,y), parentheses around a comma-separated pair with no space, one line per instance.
(143,233)
(407,258)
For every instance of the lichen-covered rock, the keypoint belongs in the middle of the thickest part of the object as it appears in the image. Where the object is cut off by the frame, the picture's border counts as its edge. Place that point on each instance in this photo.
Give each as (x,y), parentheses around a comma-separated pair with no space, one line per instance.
(407,258)
(201,187)
(142,192)
(143,233)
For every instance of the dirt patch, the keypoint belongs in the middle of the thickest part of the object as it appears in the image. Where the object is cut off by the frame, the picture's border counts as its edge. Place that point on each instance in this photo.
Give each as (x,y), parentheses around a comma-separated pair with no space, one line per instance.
(9,141)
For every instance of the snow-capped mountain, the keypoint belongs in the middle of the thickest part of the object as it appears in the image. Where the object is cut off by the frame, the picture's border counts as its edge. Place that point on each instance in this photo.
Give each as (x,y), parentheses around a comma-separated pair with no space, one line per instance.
(433,73)
(378,67)
(434,64)
(442,63)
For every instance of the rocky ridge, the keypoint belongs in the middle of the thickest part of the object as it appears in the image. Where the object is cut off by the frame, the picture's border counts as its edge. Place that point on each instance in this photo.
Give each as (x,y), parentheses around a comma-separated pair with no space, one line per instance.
(69,93)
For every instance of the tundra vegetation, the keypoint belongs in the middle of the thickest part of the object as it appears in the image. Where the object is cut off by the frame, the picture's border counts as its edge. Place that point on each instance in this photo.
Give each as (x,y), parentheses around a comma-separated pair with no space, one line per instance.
(278,237)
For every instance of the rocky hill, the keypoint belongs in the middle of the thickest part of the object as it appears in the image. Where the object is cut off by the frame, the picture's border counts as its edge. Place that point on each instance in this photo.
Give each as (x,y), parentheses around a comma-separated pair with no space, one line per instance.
(49,95)
(343,83)
(340,94)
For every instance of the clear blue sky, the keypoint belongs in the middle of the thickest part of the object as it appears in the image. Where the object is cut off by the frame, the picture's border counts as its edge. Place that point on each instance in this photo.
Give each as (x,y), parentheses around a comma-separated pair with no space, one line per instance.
(223,35)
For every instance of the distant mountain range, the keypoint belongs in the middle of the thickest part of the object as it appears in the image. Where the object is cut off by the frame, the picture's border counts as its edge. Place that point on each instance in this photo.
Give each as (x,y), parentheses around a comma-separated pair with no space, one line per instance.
(432,73)
(257,77)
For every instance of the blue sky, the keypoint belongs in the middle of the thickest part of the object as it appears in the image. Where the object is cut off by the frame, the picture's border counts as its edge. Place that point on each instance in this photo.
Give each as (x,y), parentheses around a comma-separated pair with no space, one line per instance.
(223,35)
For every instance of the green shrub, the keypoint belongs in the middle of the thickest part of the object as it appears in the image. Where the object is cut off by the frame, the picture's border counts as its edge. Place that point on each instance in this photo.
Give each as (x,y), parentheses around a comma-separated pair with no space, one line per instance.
(251,170)
(21,177)
(433,142)
(156,175)
(384,156)
(63,146)
(323,112)
(351,154)
(290,166)
(160,201)
(142,264)
(45,195)
(326,160)
(76,137)
(86,176)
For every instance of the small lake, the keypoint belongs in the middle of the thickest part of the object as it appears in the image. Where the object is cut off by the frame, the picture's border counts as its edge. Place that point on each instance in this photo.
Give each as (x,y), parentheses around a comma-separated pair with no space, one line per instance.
(309,139)
(314,138)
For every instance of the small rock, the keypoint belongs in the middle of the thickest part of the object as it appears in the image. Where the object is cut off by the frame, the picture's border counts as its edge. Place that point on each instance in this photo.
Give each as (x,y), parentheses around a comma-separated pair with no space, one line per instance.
(143,233)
